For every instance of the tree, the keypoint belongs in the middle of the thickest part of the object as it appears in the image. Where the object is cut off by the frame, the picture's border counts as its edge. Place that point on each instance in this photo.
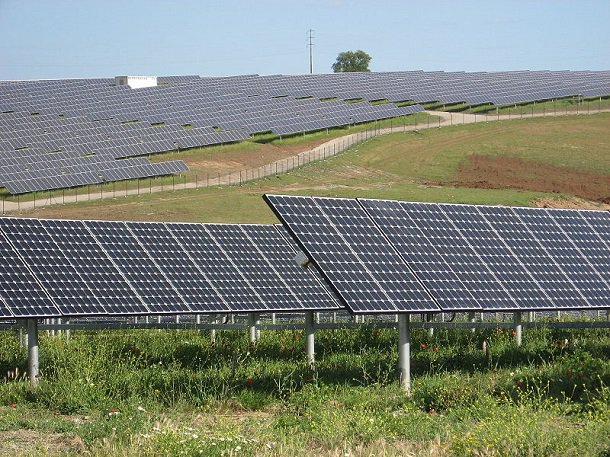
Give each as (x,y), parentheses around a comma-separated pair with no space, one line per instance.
(352,61)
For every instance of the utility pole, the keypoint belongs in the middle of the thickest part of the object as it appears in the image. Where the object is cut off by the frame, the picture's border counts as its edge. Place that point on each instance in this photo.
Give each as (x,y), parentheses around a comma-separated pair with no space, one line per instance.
(310,38)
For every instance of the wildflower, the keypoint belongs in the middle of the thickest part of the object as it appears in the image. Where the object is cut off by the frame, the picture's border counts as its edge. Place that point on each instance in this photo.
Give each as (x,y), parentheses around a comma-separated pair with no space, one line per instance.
(423,345)
(568,373)
(431,411)
(113,412)
(13,405)
(141,409)
(513,333)
(249,381)
(435,349)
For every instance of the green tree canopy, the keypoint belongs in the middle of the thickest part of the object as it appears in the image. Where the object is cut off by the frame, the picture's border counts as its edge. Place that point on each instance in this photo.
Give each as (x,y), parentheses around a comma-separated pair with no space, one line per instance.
(352,61)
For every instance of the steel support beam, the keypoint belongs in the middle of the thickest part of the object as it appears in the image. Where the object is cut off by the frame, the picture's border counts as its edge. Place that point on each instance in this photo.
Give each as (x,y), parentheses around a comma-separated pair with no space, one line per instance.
(404,352)
(33,367)
(518,328)
(309,338)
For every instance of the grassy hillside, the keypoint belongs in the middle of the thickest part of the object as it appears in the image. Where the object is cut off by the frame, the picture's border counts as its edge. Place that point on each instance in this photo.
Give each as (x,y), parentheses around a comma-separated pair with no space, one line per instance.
(431,165)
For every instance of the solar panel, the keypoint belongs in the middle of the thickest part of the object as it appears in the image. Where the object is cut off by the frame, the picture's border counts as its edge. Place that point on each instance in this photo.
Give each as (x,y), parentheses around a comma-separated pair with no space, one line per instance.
(424,249)
(19,289)
(532,255)
(600,222)
(498,257)
(202,245)
(94,267)
(579,227)
(178,267)
(464,261)
(134,263)
(280,254)
(567,256)
(51,268)
(354,256)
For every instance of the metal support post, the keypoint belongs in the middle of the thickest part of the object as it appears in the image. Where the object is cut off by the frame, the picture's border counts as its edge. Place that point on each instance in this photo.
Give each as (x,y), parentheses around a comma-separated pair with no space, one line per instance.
(309,338)
(33,370)
(252,328)
(214,319)
(472,318)
(404,352)
(518,328)
(430,318)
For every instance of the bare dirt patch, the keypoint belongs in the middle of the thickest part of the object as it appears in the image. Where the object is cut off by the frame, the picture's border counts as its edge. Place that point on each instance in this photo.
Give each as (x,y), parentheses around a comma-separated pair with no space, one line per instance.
(489,172)
(236,160)
(31,442)
(570,203)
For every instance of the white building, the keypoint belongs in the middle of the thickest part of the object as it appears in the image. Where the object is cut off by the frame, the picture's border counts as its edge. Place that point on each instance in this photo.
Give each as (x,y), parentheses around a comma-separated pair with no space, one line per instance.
(136,82)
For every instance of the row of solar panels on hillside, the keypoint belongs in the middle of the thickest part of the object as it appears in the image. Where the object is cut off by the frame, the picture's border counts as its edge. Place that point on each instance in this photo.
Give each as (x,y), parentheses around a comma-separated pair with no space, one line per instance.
(100,268)
(45,123)
(473,88)
(384,256)
(81,121)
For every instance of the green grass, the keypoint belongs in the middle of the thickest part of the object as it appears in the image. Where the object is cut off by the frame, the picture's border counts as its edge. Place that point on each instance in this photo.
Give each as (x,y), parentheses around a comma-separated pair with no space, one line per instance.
(153,392)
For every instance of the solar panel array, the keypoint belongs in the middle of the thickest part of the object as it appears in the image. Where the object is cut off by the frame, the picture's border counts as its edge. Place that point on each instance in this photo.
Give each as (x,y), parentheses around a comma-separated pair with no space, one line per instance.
(472,88)
(463,257)
(90,268)
(66,133)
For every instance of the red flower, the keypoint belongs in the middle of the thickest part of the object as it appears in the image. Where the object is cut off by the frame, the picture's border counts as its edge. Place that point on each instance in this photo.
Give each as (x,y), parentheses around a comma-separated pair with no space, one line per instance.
(434,349)
(431,411)
(513,333)
(568,373)
(249,381)
(423,345)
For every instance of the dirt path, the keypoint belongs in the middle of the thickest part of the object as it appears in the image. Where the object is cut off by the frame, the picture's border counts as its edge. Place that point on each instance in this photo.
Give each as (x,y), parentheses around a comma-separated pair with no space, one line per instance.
(319,152)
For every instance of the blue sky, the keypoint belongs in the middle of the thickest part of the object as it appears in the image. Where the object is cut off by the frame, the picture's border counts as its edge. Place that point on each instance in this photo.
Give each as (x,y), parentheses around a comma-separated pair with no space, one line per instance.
(88,38)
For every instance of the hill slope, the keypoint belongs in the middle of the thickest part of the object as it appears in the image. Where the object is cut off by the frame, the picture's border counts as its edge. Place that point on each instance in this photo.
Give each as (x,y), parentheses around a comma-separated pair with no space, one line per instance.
(517,162)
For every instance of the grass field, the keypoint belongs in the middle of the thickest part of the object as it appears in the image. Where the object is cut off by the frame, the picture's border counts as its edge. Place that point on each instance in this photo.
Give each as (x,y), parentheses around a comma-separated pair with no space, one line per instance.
(174,393)
(423,166)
